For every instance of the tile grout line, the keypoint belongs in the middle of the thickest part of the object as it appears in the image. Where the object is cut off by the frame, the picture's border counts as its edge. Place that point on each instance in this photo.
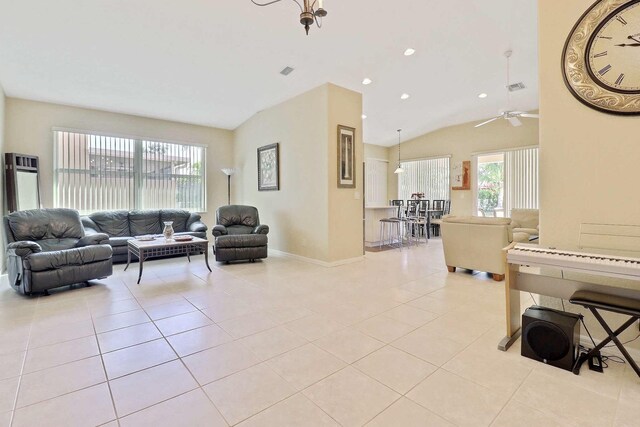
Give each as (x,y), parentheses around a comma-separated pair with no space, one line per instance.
(24,361)
(106,376)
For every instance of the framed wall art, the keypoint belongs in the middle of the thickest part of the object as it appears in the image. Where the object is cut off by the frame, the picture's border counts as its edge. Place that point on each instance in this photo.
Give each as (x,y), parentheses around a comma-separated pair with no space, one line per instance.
(346,157)
(268,168)
(461,175)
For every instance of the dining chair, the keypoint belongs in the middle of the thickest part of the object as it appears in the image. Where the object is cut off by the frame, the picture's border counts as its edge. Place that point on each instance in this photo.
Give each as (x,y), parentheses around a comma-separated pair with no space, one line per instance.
(440,206)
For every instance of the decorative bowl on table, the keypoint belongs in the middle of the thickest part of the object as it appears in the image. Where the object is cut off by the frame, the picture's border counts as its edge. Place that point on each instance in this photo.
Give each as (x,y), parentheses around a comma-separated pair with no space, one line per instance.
(147,238)
(182,238)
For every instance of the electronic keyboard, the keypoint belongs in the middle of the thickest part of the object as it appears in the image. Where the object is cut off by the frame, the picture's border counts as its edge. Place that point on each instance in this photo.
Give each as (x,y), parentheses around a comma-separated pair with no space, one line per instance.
(603,265)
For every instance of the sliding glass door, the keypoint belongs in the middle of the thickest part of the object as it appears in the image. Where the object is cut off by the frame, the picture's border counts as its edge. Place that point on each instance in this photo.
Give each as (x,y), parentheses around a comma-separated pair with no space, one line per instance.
(506,180)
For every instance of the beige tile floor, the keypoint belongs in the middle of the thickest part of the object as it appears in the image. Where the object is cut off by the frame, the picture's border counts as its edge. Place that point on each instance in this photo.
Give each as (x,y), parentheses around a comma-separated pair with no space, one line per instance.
(393,340)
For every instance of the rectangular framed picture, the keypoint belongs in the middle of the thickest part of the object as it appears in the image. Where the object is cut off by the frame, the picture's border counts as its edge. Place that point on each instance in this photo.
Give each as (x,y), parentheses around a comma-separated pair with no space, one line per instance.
(461,175)
(346,157)
(268,168)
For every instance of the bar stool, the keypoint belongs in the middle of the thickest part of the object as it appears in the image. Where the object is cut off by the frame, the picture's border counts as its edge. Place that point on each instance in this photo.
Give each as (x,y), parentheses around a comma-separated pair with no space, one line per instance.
(392,227)
(615,304)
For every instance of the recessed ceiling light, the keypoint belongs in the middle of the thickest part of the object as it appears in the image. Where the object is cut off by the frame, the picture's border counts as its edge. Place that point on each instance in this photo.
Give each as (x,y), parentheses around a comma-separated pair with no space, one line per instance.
(364,116)
(409,52)
(404,96)
(482,95)
(367,81)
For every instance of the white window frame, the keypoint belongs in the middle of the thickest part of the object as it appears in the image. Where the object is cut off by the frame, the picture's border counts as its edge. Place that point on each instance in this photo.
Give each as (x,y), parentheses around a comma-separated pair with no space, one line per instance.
(474,171)
(137,159)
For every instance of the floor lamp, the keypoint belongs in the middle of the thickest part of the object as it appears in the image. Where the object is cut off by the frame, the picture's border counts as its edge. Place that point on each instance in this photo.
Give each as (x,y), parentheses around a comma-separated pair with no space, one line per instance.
(228,172)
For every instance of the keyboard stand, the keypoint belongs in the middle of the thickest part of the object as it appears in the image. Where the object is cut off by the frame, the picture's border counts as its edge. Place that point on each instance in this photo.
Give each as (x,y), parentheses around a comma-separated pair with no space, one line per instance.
(593,301)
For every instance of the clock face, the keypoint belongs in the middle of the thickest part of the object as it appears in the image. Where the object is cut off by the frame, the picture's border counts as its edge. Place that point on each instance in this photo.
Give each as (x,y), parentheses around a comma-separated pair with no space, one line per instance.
(601,57)
(613,51)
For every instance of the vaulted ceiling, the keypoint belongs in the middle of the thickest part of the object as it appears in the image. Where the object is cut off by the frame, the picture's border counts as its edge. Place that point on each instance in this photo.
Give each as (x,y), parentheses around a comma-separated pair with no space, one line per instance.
(217,62)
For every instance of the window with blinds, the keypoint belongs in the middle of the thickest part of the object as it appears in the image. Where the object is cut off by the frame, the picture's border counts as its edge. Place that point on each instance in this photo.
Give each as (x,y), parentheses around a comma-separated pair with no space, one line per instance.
(97,172)
(521,179)
(507,180)
(430,176)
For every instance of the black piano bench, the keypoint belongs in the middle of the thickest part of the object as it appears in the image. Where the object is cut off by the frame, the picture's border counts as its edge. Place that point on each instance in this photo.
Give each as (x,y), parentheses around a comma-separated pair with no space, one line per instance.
(622,305)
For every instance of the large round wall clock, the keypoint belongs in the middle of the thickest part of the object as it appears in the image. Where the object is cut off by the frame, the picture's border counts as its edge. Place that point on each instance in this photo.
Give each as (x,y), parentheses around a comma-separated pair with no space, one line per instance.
(601,58)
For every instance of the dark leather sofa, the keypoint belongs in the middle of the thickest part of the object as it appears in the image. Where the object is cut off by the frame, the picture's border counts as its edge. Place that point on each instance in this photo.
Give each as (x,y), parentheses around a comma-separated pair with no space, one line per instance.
(48,248)
(122,225)
(239,234)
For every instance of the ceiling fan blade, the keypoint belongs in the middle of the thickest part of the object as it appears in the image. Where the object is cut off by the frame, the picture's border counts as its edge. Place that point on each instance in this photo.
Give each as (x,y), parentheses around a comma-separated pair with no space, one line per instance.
(514,121)
(487,122)
(530,116)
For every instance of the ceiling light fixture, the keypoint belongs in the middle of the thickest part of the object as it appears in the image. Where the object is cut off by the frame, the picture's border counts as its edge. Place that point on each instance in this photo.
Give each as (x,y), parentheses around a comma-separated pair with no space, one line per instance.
(311,11)
(399,169)
(367,81)
(409,52)
(482,95)
(404,96)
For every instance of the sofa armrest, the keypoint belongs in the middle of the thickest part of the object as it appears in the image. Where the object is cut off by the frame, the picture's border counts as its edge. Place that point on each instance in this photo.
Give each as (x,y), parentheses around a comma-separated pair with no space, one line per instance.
(197,226)
(219,230)
(261,229)
(89,226)
(23,248)
(93,239)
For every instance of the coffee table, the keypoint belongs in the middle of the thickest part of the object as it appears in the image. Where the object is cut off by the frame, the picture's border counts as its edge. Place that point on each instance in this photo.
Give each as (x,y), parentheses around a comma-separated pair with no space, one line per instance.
(145,249)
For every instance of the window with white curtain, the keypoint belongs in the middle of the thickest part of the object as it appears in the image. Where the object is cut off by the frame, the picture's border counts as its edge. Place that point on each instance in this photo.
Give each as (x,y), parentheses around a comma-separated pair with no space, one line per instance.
(507,180)
(429,176)
(96,172)
(376,182)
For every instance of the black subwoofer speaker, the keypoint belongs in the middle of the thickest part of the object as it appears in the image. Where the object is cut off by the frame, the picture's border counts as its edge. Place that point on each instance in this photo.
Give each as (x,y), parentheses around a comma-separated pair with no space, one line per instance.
(551,336)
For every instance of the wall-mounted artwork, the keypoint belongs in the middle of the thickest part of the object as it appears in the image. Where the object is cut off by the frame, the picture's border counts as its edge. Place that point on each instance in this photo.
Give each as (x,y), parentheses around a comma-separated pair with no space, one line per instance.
(268,168)
(346,157)
(461,175)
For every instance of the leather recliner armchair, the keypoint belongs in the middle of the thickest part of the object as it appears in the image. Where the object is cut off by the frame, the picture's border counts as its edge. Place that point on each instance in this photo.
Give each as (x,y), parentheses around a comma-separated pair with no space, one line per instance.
(238,234)
(48,248)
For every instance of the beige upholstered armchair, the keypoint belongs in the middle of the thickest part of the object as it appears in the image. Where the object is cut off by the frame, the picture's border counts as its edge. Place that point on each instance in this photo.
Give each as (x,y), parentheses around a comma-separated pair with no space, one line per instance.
(476,243)
(525,221)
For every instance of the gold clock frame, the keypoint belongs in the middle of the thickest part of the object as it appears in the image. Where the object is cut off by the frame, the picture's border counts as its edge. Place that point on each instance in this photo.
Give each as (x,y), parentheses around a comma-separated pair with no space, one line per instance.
(576,72)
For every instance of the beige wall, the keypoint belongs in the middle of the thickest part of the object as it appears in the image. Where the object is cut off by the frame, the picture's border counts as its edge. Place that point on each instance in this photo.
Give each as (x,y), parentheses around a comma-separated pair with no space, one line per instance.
(29,125)
(299,214)
(460,142)
(2,150)
(346,226)
(376,152)
(588,159)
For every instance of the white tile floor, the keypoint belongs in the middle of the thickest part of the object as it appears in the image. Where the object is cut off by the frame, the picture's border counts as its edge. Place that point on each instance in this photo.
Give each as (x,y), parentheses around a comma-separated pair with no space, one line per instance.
(393,340)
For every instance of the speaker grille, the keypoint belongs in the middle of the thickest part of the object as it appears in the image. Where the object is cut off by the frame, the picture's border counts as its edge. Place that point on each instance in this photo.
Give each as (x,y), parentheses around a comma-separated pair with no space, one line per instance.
(547,340)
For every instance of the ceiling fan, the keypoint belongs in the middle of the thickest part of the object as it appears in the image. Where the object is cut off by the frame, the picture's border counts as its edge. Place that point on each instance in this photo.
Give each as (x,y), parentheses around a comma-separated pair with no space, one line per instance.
(511,115)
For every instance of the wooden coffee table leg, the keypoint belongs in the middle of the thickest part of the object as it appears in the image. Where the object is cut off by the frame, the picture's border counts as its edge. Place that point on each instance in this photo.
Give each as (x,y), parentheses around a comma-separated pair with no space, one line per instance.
(206,256)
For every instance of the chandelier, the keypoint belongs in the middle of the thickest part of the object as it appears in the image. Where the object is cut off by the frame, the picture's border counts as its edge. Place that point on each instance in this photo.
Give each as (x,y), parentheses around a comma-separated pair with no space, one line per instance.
(310,11)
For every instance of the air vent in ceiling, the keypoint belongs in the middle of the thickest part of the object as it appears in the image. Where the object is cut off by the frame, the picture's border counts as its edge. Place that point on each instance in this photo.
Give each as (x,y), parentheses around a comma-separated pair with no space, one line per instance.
(286,71)
(516,86)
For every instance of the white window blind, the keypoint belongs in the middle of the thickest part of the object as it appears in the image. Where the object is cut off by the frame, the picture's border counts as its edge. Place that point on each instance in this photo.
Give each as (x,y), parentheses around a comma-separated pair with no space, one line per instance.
(96,172)
(376,182)
(521,179)
(430,176)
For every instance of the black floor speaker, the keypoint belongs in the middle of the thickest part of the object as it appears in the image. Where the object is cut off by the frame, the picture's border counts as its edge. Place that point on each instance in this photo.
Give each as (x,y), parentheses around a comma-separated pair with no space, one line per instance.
(551,336)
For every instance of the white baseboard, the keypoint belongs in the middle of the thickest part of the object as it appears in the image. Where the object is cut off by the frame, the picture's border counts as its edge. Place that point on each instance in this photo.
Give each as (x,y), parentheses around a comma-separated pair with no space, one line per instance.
(317,261)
